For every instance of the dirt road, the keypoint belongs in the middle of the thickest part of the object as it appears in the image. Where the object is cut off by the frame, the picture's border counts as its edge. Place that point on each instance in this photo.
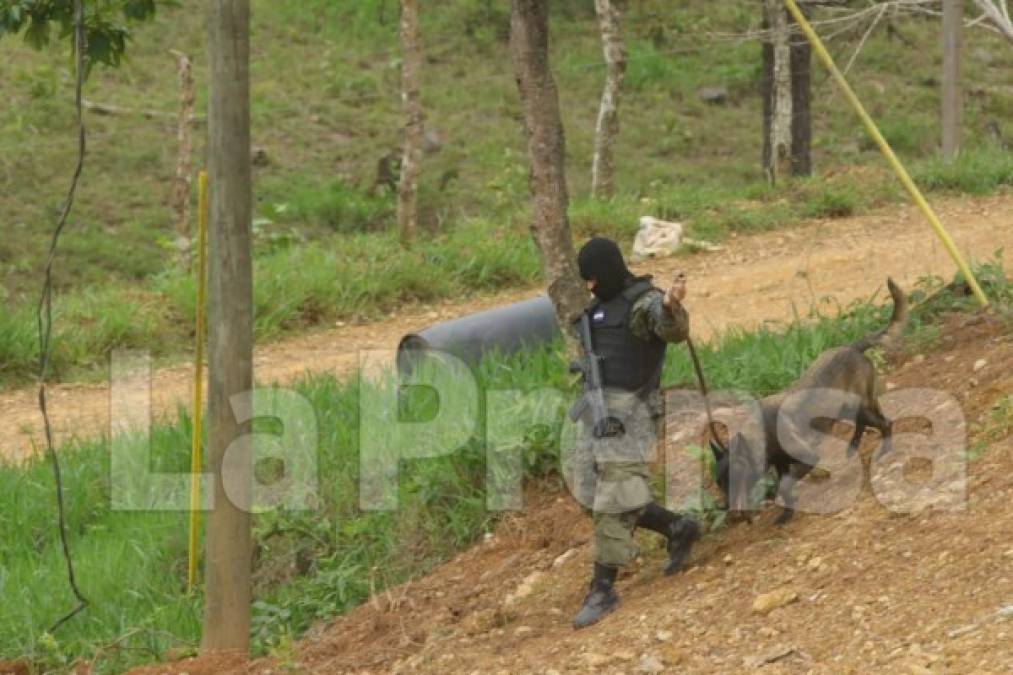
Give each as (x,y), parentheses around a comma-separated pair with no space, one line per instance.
(756,278)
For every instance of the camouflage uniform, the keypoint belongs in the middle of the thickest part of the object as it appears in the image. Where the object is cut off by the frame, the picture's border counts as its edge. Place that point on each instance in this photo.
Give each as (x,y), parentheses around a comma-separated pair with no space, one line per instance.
(611,475)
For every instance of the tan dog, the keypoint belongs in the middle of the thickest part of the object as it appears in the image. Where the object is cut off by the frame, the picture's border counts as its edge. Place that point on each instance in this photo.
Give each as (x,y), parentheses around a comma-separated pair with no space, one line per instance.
(846,371)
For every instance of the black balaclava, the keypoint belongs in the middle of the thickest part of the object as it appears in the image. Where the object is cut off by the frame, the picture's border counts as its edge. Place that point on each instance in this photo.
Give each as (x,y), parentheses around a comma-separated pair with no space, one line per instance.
(600,259)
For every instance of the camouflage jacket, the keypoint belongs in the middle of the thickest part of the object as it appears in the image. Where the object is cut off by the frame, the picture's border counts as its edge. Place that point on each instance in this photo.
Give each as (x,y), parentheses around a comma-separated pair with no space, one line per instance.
(649,316)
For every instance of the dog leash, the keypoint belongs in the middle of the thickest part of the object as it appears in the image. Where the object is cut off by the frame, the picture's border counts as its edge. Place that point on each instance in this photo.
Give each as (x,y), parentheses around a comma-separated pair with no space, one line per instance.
(703,391)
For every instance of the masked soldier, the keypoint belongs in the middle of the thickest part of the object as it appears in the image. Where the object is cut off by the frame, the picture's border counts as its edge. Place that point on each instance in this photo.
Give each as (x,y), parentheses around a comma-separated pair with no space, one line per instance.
(631,323)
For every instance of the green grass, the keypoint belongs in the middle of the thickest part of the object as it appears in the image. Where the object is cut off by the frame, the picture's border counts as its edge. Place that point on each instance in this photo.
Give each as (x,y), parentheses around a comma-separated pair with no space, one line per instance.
(975,172)
(312,565)
(326,108)
(338,206)
(304,283)
(309,565)
(832,203)
(295,287)
(994,426)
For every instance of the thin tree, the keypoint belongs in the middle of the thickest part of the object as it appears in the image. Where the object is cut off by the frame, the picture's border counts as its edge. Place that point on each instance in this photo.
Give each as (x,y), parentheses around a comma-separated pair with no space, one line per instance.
(91,42)
(411,157)
(180,199)
(794,122)
(550,227)
(607,130)
(778,161)
(801,96)
(230,328)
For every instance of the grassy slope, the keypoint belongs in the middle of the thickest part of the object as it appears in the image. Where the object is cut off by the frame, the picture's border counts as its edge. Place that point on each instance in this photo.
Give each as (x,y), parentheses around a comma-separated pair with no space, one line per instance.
(311,565)
(325,108)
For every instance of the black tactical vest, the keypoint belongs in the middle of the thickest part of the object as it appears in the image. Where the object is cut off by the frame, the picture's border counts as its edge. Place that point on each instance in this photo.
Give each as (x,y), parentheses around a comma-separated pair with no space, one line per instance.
(628,362)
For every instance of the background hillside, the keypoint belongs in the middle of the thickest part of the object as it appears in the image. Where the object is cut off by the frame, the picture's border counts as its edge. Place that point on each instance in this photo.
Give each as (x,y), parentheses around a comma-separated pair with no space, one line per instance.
(326,109)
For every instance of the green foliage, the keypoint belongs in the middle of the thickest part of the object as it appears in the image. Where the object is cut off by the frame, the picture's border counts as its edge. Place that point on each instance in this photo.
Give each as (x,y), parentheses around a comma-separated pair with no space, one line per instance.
(832,202)
(306,284)
(617,217)
(87,327)
(907,136)
(994,426)
(296,286)
(309,567)
(106,23)
(933,297)
(18,345)
(648,66)
(130,566)
(341,208)
(707,510)
(975,171)
(754,219)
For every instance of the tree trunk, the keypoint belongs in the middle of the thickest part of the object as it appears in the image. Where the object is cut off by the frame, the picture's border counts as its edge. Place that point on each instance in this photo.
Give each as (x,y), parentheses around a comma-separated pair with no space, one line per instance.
(607,130)
(411,67)
(230,327)
(529,46)
(953,27)
(184,165)
(801,94)
(767,89)
(779,164)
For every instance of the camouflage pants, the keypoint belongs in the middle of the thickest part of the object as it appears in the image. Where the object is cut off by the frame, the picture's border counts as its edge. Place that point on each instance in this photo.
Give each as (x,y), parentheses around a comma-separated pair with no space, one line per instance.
(613,531)
(611,481)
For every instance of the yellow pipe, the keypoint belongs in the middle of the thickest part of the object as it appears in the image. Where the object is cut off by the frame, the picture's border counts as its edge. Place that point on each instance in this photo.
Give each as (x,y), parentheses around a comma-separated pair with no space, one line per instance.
(198,378)
(887,151)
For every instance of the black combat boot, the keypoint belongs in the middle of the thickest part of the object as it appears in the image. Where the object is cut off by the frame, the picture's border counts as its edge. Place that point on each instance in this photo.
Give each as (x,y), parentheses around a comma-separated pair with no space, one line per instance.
(681,532)
(601,599)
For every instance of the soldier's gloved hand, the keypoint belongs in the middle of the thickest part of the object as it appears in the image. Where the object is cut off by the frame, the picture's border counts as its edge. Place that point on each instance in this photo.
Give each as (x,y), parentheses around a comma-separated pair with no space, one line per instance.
(676,293)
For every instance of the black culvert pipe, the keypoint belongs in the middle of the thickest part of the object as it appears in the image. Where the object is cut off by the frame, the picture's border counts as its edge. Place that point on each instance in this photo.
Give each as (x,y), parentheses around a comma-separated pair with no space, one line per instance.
(505,330)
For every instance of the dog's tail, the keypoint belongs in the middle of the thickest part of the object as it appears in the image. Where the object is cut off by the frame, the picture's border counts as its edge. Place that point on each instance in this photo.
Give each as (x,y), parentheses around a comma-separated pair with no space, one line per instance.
(897,320)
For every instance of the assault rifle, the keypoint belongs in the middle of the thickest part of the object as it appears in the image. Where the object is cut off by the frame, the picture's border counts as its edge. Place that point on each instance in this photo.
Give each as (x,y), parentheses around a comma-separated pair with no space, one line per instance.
(605,426)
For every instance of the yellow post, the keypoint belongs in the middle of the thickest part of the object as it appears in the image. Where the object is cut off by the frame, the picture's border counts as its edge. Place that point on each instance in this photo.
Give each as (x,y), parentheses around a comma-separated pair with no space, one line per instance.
(198,378)
(887,151)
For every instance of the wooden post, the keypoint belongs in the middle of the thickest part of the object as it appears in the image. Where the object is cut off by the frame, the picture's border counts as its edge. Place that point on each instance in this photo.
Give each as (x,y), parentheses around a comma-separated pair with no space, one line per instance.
(952,97)
(230,326)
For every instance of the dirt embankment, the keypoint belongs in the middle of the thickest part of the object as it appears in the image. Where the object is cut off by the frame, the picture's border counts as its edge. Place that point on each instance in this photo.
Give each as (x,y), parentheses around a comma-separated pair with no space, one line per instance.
(863,589)
(756,278)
